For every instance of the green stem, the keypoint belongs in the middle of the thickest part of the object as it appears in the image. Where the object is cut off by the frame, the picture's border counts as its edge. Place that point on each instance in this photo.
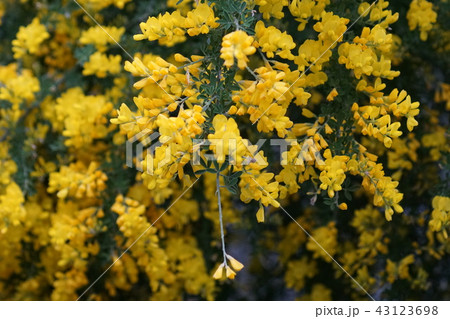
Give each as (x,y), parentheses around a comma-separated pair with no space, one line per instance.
(191,63)
(219,202)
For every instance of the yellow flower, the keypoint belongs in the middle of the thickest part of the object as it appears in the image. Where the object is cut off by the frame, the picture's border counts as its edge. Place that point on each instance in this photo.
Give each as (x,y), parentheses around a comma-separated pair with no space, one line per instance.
(239,45)
(273,41)
(331,28)
(298,271)
(318,293)
(437,141)
(440,216)
(332,95)
(399,270)
(271,8)
(77,180)
(382,187)
(260,214)
(421,15)
(303,10)
(234,263)
(16,87)
(218,274)
(101,36)
(9,167)
(98,5)
(170,28)
(378,12)
(230,273)
(326,236)
(83,122)
(100,65)
(226,140)
(257,186)
(200,20)
(226,270)
(29,39)
(167,28)
(443,95)
(12,211)
(266,100)
(333,173)
(402,155)
(133,224)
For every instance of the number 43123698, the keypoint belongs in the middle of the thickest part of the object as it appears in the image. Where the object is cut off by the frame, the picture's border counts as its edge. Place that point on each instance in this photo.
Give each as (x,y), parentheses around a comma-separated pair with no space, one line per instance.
(407,310)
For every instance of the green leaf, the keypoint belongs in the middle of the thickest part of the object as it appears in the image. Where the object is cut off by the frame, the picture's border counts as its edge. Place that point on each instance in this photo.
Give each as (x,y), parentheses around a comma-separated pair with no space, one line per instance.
(200,172)
(237,174)
(224,165)
(4,104)
(348,195)
(216,165)
(232,189)
(82,54)
(203,162)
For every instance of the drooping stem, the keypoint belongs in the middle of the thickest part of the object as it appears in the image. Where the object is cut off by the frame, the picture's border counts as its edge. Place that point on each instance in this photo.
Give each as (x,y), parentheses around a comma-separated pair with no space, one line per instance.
(219,202)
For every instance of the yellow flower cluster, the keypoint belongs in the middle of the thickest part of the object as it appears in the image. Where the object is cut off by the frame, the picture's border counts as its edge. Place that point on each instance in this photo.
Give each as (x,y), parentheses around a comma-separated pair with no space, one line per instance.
(333,174)
(327,237)
(363,55)
(258,186)
(400,269)
(375,182)
(226,140)
(180,266)
(266,101)
(319,292)
(163,82)
(272,8)
(98,5)
(16,87)
(83,123)
(228,271)
(303,10)
(101,36)
(9,167)
(443,95)
(237,45)
(402,155)
(72,229)
(440,216)
(369,224)
(146,252)
(298,271)
(422,16)
(101,65)
(78,181)
(378,12)
(314,53)
(366,58)
(12,211)
(29,39)
(272,41)
(437,142)
(58,54)
(171,28)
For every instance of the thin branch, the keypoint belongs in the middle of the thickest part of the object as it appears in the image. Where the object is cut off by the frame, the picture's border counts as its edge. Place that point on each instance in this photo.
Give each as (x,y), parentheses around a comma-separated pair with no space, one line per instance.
(219,202)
